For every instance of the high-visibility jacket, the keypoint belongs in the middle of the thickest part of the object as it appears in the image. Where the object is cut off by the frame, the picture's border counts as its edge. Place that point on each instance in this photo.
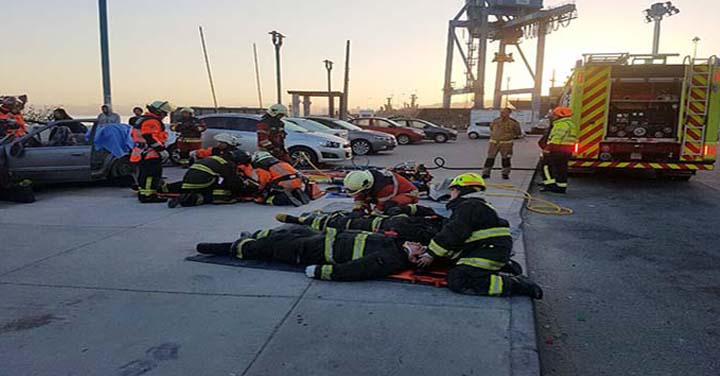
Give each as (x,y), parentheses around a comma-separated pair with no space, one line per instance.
(387,187)
(272,173)
(271,137)
(149,135)
(563,136)
(210,172)
(504,131)
(474,235)
(18,129)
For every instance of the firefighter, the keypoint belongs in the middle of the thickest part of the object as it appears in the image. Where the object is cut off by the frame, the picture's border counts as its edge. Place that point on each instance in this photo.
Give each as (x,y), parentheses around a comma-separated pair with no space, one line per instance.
(191,130)
(328,255)
(419,225)
(558,150)
(212,180)
(382,188)
(11,118)
(225,143)
(503,131)
(480,244)
(278,183)
(271,132)
(149,152)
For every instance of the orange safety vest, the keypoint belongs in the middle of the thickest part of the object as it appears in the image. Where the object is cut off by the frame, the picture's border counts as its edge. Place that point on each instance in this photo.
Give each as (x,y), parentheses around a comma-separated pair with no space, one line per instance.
(18,118)
(148,124)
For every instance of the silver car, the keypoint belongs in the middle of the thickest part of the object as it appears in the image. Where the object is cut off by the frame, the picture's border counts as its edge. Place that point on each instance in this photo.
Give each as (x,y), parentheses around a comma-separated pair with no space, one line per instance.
(314,126)
(318,147)
(363,141)
(45,155)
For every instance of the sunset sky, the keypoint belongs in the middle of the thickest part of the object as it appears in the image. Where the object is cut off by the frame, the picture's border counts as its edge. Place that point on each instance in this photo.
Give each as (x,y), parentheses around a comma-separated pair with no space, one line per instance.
(51,48)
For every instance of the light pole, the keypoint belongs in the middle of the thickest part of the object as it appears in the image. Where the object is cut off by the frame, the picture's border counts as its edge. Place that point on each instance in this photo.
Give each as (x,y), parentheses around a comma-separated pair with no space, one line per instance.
(331,103)
(695,40)
(105,52)
(656,13)
(277,40)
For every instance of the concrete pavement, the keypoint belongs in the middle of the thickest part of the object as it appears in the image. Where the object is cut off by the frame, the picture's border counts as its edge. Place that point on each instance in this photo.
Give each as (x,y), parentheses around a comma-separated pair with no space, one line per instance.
(94,283)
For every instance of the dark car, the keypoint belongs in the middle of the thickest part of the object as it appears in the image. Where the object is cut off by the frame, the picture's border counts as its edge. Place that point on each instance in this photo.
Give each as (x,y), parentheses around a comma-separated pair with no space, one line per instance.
(432,131)
(404,135)
(362,141)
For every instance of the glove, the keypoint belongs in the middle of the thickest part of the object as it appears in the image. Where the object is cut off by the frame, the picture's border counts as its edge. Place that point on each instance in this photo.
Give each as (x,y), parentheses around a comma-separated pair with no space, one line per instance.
(164,155)
(310,271)
(193,154)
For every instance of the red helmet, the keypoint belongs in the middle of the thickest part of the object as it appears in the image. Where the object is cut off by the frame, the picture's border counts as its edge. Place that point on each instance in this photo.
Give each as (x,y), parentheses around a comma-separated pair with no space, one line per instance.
(562,112)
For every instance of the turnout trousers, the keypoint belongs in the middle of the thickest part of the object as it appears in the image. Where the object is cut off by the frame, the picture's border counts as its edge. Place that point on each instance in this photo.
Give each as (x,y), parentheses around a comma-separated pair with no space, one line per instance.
(555,171)
(150,180)
(505,149)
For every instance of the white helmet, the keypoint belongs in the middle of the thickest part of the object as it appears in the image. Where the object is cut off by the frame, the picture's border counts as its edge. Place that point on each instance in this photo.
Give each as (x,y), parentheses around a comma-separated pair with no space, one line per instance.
(188,110)
(358,181)
(277,110)
(227,138)
(161,106)
(261,155)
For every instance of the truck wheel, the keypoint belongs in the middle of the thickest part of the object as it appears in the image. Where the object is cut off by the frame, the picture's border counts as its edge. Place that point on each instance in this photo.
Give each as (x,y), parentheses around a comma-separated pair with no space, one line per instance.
(300,162)
(361,147)
(473,136)
(403,139)
(440,138)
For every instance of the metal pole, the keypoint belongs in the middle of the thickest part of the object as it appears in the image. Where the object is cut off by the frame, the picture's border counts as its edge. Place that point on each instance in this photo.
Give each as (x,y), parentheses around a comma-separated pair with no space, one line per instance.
(447,89)
(482,61)
(695,40)
(539,66)
(105,52)
(207,65)
(656,37)
(277,40)
(331,99)
(497,95)
(346,87)
(257,76)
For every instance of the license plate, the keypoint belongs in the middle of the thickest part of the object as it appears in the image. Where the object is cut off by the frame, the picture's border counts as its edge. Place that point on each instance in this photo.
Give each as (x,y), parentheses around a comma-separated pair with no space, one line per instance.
(636,156)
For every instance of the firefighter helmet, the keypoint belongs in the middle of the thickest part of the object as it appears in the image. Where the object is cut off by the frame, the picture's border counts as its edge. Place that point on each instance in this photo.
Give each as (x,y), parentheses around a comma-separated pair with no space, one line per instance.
(241,157)
(471,180)
(161,106)
(189,110)
(562,112)
(277,110)
(358,181)
(227,138)
(260,156)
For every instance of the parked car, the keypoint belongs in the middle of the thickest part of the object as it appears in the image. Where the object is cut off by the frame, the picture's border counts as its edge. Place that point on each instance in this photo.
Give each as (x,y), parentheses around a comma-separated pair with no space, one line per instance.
(45,160)
(320,148)
(479,130)
(432,131)
(314,126)
(404,135)
(541,126)
(362,141)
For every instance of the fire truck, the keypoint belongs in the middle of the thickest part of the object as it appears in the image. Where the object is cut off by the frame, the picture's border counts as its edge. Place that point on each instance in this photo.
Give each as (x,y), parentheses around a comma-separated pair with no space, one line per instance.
(641,112)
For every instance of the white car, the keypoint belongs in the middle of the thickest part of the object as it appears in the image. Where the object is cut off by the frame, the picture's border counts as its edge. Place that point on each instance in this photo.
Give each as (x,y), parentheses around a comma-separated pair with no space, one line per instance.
(479,130)
(320,148)
(314,126)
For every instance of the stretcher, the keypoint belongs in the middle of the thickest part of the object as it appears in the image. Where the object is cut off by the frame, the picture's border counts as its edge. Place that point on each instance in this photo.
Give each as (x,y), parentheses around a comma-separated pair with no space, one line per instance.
(437,278)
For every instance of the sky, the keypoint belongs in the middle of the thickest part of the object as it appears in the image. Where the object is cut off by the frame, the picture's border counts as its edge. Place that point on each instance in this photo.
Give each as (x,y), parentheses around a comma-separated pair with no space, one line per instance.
(398,47)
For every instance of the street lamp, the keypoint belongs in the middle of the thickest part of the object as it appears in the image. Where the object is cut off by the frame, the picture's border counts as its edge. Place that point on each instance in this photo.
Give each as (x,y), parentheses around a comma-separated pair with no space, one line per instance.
(277,41)
(656,13)
(331,104)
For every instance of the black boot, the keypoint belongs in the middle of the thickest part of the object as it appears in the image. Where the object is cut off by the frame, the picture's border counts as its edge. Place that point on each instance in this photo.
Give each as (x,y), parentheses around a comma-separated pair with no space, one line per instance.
(214,248)
(287,218)
(512,267)
(521,285)
(174,202)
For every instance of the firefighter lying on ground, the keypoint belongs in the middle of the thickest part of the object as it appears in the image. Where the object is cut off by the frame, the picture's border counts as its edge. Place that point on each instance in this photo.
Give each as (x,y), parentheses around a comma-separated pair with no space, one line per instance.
(408,223)
(212,180)
(278,183)
(225,143)
(480,244)
(382,189)
(191,130)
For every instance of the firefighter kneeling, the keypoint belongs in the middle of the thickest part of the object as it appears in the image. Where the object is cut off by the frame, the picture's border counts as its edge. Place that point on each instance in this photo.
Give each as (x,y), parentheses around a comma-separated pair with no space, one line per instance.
(212,180)
(382,188)
(278,182)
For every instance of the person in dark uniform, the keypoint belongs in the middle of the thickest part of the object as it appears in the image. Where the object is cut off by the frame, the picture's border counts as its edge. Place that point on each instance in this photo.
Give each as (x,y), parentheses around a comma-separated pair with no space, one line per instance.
(271,132)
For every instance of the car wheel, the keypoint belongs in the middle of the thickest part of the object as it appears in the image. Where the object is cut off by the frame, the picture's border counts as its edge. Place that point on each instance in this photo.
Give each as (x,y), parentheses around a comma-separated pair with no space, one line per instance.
(361,147)
(440,138)
(122,171)
(473,136)
(403,139)
(296,156)
(174,154)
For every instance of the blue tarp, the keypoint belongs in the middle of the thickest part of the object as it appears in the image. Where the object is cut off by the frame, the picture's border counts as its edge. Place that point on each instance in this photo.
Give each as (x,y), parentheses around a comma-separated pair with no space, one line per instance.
(113,138)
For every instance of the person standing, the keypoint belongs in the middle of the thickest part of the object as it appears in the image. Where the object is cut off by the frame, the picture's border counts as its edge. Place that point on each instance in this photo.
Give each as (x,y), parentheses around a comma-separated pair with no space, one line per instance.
(191,130)
(137,112)
(271,132)
(558,150)
(149,152)
(106,116)
(503,131)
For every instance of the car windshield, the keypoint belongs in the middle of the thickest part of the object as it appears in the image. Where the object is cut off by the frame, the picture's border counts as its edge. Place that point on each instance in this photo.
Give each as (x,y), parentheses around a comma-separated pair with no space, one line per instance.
(292,127)
(309,125)
(346,125)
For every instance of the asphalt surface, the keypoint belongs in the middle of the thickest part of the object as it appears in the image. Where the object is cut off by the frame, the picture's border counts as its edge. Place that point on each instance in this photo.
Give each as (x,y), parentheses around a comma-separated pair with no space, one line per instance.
(632,279)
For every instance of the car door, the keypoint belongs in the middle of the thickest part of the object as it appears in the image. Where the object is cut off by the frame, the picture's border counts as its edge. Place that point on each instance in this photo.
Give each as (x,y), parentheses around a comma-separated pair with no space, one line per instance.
(385,127)
(34,157)
(363,122)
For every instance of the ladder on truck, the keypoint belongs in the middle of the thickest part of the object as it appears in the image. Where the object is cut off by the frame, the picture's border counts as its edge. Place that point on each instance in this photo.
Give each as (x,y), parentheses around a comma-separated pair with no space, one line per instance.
(697,96)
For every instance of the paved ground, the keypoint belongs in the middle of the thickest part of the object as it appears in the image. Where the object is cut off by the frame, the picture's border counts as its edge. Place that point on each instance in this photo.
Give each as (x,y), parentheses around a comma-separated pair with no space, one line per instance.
(632,280)
(93,283)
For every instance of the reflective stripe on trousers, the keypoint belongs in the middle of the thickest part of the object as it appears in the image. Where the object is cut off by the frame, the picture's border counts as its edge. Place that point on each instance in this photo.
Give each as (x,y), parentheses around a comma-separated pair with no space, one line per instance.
(482,263)
(496,285)
(326,272)
(359,246)
(330,234)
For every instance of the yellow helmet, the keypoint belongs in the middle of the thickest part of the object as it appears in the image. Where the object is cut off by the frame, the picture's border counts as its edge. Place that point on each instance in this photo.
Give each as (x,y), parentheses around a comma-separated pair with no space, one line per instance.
(471,179)
(358,181)
(161,106)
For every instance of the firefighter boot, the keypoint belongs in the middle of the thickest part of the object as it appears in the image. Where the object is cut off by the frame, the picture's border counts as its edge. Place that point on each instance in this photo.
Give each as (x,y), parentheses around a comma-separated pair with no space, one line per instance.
(521,285)
(214,248)
(287,218)
(489,163)
(512,267)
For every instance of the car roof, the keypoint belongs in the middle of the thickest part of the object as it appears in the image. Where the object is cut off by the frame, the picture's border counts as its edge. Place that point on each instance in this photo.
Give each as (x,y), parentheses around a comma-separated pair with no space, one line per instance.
(232,115)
